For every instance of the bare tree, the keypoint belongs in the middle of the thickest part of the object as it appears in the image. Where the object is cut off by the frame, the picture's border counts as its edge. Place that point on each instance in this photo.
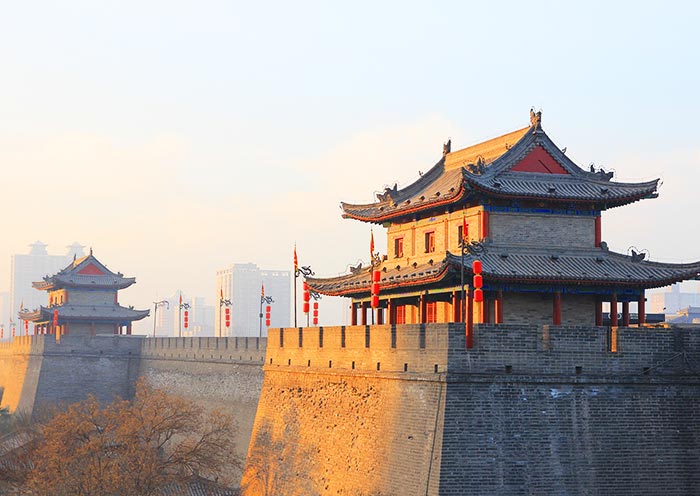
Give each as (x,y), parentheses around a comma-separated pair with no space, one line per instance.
(132,447)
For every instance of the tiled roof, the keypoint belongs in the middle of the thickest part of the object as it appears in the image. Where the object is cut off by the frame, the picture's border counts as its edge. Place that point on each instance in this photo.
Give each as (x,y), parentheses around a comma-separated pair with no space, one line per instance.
(392,277)
(593,267)
(85,272)
(69,312)
(486,170)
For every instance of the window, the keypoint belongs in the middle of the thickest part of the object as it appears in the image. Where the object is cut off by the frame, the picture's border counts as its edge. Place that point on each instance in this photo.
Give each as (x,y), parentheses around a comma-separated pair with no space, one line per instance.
(398,248)
(430,242)
(400,314)
(431,312)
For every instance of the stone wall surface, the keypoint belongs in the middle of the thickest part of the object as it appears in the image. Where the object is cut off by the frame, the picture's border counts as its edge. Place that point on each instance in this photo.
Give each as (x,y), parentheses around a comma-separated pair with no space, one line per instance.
(403,410)
(215,373)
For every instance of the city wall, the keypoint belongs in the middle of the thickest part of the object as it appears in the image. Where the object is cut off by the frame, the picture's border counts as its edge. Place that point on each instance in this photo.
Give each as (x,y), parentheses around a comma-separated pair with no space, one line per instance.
(215,373)
(408,410)
(403,410)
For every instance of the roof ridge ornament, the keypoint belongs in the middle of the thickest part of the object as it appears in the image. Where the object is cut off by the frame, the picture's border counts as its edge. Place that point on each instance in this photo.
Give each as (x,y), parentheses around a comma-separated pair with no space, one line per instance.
(388,193)
(447,147)
(536,119)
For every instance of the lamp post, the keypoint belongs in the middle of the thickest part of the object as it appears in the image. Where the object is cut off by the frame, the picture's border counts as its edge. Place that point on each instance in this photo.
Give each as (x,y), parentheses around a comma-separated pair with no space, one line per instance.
(299,271)
(223,302)
(186,306)
(263,299)
(156,304)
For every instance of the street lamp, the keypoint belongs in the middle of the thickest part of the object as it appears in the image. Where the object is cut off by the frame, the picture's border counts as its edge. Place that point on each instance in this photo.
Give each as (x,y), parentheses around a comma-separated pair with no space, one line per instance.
(186,306)
(223,302)
(156,304)
(299,271)
(263,299)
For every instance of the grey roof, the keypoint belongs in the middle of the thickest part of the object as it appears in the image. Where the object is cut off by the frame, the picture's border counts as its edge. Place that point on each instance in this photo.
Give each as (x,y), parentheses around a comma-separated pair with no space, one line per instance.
(71,276)
(69,311)
(359,282)
(451,183)
(592,267)
(576,266)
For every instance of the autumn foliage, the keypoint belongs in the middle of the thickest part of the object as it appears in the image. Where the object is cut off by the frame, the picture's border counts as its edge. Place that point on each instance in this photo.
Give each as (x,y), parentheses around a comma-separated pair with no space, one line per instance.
(132,447)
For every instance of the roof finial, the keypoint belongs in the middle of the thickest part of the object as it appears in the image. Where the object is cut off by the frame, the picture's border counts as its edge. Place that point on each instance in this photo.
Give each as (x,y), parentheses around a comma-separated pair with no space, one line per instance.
(535,118)
(91,251)
(447,147)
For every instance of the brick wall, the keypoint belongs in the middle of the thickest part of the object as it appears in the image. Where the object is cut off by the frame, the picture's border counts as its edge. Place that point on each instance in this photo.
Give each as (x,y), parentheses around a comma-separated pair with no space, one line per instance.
(527,410)
(542,230)
(215,373)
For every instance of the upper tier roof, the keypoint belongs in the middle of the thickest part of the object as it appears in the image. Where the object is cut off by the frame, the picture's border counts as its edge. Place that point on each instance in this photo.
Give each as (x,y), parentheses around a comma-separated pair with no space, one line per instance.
(508,264)
(87,272)
(522,165)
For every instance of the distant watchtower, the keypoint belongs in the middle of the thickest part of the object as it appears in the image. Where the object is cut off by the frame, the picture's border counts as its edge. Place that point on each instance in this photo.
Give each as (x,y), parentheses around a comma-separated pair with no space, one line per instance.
(83,300)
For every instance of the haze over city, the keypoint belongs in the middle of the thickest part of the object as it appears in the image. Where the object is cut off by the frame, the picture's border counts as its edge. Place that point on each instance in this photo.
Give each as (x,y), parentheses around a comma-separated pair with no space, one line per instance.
(178,138)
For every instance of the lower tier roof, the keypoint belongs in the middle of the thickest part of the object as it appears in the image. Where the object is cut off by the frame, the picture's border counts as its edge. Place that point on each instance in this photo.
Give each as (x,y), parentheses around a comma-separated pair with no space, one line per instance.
(508,265)
(93,313)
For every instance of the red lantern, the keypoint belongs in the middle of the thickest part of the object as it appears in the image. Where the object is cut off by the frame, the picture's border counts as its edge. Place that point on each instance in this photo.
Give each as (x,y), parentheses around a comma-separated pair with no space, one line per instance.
(186,321)
(13,330)
(478,281)
(267,315)
(55,317)
(376,276)
(375,288)
(478,295)
(26,328)
(476,266)
(375,301)
(228,317)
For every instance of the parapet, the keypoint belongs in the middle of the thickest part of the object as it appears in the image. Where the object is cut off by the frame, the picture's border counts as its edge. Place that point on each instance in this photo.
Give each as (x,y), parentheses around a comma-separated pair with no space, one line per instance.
(496,349)
(230,349)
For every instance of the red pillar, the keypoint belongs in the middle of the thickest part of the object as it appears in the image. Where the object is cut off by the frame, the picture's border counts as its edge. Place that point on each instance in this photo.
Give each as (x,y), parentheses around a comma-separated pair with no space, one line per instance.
(598,232)
(486,311)
(599,312)
(625,313)
(390,317)
(613,310)
(380,316)
(556,310)
(353,314)
(498,309)
(455,307)
(470,318)
(641,309)
(128,329)
(484,224)
(421,309)
(363,315)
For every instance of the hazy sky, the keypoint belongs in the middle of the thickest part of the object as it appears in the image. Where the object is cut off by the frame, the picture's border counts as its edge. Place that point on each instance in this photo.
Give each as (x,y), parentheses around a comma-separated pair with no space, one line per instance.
(179,137)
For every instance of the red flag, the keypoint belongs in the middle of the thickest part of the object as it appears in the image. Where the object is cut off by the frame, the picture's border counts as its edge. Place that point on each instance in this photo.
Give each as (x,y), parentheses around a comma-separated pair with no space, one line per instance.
(262,290)
(296,261)
(180,298)
(222,292)
(465,229)
(371,243)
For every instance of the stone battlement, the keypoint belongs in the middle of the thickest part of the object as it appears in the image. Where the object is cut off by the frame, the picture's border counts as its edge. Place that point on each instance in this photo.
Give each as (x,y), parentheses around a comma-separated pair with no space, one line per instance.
(232,349)
(510,349)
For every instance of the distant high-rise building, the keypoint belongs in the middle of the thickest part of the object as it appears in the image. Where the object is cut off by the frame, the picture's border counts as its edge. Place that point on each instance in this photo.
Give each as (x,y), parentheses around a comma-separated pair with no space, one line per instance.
(242,284)
(26,269)
(671,302)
